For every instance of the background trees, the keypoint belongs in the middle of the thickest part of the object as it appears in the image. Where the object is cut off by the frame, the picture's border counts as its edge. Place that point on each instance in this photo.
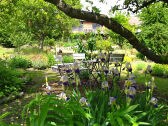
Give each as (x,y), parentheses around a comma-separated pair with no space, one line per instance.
(154,30)
(32,21)
(112,24)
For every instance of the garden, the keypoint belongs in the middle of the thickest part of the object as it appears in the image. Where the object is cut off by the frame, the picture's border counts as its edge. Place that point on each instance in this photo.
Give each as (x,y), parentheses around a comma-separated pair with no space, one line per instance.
(52,76)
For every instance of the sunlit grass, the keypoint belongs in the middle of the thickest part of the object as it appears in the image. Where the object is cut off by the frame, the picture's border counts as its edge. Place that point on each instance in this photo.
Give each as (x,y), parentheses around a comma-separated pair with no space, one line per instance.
(6,51)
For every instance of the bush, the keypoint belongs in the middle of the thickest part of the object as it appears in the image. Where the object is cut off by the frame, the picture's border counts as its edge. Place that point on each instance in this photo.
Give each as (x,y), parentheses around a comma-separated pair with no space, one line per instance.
(51,59)
(68,59)
(140,66)
(19,62)
(10,80)
(39,61)
(160,70)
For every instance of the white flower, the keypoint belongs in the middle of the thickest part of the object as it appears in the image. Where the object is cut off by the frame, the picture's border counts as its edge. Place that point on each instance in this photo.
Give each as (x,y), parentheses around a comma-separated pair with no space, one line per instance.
(132,91)
(83,101)
(132,76)
(115,71)
(149,69)
(101,55)
(48,87)
(105,84)
(64,79)
(128,65)
(62,95)
(112,100)
(75,65)
(154,101)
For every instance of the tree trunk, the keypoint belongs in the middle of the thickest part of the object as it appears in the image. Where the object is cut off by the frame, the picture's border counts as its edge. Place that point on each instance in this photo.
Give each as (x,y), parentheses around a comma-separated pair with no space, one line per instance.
(111,24)
(41,42)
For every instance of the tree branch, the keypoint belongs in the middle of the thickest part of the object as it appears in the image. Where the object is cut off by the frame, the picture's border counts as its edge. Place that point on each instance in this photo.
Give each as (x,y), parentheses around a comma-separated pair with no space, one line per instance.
(111,24)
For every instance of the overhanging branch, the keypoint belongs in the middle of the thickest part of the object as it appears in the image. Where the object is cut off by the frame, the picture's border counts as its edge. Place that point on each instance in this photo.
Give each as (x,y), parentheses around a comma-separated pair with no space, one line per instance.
(111,24)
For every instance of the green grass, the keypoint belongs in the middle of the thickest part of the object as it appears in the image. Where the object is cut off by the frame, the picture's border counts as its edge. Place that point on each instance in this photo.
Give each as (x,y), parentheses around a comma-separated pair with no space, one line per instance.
(6,51)
(161,83)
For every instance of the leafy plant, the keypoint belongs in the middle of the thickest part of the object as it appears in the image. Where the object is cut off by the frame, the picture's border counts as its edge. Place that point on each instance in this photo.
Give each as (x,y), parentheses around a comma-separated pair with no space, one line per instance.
(10,80)
(160,70)
(68,59)
(140,56)
(84,75)
(51,59)
(19,62)
(94,109)
(2,117)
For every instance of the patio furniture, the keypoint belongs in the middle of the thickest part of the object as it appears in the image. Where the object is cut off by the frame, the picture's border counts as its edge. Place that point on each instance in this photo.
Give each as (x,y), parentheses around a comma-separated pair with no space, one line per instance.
(59,64)
(79,58)
(117,60)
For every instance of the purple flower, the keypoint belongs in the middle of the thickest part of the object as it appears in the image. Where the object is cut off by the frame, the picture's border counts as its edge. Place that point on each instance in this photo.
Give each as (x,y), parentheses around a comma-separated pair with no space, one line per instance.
(130,92)
(77,70)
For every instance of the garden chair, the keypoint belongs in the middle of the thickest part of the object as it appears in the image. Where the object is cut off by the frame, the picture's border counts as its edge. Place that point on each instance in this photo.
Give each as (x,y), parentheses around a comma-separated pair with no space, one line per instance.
(79,57)
(59,64)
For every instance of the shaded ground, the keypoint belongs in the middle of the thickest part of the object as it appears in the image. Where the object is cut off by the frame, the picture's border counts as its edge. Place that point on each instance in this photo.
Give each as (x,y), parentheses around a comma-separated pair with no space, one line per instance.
(15,107)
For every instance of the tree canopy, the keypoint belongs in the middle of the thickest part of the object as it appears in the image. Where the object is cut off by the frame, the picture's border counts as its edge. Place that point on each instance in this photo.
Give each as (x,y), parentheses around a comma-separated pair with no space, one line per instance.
(114,25)
(32,21)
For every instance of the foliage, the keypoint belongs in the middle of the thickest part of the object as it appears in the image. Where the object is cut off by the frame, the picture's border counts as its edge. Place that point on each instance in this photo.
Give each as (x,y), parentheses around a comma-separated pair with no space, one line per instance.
(51,59)
(154,31)
(84,75)
(33,21)
(68,59)
(10,79)
(104,45)
(39,61)
(2,117)
(124,20)
(91,42)
(140,56)
(51,110)
(160,70)
(81,47)
(19,62)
